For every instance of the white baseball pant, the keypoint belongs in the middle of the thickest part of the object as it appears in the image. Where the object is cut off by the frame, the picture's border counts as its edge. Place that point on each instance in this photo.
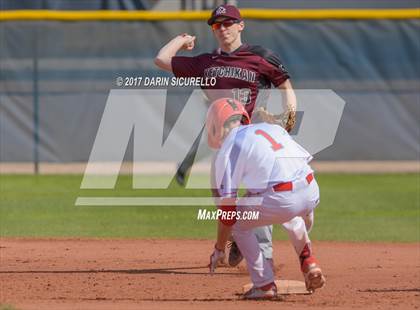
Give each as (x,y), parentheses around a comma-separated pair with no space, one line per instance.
(276,208)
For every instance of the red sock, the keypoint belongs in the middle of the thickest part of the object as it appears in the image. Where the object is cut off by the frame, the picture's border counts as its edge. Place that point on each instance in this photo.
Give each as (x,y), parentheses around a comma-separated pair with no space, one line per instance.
(306,257)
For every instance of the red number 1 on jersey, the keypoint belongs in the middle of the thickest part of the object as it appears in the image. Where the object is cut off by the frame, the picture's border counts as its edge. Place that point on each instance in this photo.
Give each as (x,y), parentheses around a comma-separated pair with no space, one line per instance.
(274,145)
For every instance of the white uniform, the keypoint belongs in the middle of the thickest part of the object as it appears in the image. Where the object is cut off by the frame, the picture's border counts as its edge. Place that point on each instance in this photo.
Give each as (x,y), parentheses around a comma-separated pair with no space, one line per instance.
(261,156)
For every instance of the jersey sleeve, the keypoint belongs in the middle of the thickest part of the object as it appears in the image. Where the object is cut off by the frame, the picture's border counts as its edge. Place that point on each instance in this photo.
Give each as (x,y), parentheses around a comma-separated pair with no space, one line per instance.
(186,66)
(271,66)
(274,70)
(230,168)
(224,181)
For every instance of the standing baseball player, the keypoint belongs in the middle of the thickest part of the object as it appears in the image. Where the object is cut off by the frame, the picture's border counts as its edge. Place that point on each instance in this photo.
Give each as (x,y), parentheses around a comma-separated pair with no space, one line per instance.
(273,167)
(241,70)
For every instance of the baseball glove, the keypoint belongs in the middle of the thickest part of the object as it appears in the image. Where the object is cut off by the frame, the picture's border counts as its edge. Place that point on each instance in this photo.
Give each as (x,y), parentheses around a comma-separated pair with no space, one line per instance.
(287,119)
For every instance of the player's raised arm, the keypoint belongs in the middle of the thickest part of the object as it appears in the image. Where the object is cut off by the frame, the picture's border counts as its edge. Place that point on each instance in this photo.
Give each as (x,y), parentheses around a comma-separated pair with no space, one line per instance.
(180,42)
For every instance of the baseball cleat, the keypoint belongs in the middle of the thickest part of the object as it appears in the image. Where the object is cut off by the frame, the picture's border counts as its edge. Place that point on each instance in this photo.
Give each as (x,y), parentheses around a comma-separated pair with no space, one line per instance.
(314,279)
(268,291)
(235,255)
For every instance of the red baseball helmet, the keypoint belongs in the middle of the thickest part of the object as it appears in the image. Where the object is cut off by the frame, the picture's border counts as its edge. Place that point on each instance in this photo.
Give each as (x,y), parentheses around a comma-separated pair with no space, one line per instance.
(219,112)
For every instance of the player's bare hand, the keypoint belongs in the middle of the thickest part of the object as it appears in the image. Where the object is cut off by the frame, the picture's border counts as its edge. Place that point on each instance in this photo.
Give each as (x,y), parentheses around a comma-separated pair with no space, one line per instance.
(189,41)
(216,259)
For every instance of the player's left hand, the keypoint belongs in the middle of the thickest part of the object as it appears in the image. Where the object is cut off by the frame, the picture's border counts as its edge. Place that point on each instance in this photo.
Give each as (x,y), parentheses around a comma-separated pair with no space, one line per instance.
(287,119)
(290,121)
(216,259)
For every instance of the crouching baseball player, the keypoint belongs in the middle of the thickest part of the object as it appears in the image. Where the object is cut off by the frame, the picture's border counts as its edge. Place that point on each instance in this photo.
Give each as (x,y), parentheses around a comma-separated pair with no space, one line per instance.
(274,168)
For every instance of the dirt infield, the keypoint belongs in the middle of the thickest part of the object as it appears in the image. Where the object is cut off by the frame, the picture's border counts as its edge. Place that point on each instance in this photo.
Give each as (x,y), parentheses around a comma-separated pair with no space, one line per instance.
(171,274)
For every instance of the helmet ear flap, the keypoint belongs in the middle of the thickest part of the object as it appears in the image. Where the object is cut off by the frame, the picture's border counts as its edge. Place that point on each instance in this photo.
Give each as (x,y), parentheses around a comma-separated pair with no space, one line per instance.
(244,120)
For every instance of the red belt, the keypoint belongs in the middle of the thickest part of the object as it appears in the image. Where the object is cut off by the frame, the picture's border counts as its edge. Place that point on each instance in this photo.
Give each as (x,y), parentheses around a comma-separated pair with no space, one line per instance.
(288,186)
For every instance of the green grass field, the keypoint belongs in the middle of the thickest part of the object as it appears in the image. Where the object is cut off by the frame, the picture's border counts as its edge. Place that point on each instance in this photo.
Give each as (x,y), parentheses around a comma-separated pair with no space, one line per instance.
(352,208)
